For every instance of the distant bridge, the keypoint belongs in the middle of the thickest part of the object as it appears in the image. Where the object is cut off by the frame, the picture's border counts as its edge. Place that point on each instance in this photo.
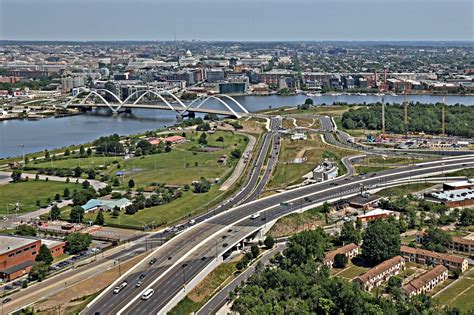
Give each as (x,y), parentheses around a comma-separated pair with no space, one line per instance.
(177,105)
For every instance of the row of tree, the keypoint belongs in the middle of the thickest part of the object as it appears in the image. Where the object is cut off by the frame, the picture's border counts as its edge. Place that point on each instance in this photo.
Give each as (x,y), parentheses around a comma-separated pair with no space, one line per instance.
(421,118)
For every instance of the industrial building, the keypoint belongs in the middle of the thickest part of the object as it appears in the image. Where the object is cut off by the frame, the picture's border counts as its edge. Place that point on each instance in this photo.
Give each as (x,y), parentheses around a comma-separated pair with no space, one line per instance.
(18,254)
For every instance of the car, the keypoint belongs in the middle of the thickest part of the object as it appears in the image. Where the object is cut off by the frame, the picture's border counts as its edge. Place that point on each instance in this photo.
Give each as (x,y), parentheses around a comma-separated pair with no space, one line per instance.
(120,287)
(203,258)
(147,294)
(225,245)
(169,258)
(142,276)
(192,222)
(139,283)
(229,230)
(8,287)
(6,300)
(152,261)
(333,184)
(254,216)
(307,199)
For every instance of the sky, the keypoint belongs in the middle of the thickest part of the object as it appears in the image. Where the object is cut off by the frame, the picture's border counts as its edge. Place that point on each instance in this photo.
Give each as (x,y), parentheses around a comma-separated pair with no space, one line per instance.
(237,20)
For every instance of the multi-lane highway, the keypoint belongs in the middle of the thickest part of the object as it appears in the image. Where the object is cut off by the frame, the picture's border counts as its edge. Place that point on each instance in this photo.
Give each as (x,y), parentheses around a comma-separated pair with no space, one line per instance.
(186,255)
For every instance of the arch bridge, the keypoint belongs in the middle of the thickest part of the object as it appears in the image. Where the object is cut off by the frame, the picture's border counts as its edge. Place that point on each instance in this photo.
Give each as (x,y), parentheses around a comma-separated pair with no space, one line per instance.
(134,100)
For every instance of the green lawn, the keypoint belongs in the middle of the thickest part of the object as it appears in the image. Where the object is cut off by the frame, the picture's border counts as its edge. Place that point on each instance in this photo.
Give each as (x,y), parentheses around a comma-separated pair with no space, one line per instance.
(28,192)
(204,290)
(403,190)
(189,204)
(352,272)
(362,169)
(315,151)
(460,294)
(72,162)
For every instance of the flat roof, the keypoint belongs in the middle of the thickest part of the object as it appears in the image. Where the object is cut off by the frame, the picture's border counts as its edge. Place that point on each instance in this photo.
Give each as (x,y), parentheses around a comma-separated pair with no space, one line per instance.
(375,212)
(10,243)
(461,183)
(454,195)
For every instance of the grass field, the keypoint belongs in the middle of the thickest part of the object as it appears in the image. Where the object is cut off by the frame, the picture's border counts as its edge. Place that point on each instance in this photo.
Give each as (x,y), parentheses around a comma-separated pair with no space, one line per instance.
(189,204)
(460,294)
(331,110)
(352,272)
(315,151)
(295,222)
(362,169)
(204,290)
(403,190)
(72,162)
(28,192)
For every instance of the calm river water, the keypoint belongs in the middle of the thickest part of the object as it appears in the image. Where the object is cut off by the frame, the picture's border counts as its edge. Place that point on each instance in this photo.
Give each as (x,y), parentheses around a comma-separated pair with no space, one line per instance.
(59,132)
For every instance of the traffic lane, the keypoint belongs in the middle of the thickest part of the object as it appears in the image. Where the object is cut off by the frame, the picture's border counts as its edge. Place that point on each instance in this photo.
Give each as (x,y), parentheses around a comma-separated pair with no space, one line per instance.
(176,248)
(254,207)
(279,211)
(173,281)
(218,300)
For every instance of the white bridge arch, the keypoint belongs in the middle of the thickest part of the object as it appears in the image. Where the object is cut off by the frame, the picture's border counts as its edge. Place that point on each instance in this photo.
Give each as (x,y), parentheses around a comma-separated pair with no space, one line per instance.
(181,109)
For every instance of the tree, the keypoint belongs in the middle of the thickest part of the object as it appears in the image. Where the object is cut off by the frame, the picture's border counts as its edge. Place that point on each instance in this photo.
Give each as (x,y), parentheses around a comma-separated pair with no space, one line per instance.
(25,230)
(131,183)
(82,151)
(16,176)
(202,186)
(85,184)
(67,152)
(203,139)
(91,174)
(381,241)
(99,220)
(269,241)
(116,182)
(309,101)
(57,197)
(39,271)
(66,193)
(349,234)
(89,151)
(394,284)
(44,255)
(236,154)
(326,208)
(77,214)
(77,242)
(340,261)
(46,154)
(255,251)
(436,240)
(54,213)
(467,217)
(77,172)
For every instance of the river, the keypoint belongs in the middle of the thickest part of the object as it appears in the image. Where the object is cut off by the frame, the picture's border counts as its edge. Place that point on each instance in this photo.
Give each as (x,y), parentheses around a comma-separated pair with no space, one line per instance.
(53,133)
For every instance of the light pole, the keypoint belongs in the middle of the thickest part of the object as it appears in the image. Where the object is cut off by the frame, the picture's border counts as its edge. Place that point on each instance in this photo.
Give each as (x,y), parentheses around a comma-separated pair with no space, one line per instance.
(183,266)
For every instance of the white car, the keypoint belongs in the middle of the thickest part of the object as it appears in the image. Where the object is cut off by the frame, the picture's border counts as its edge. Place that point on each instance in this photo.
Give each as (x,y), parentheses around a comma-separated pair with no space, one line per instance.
(120,287)
(147,294)
(255,215)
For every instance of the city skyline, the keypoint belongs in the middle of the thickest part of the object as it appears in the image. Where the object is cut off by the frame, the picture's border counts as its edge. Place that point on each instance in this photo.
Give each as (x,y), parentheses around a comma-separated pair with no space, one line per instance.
(242,20)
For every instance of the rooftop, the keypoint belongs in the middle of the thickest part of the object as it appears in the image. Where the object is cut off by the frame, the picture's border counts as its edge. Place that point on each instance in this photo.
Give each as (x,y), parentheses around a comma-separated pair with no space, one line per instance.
(375,212)
(429,253)
(420,281)
(341,250)
(454,195)
(10,243)
(380,268)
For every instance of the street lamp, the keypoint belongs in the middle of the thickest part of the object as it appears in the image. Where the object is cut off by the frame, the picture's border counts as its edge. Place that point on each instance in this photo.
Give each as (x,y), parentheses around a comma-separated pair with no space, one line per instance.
(183,266)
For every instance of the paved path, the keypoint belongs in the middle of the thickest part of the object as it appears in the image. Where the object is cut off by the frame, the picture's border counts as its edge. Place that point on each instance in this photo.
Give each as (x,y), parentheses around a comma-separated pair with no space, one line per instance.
(94,183)
(219,300)
(239,168)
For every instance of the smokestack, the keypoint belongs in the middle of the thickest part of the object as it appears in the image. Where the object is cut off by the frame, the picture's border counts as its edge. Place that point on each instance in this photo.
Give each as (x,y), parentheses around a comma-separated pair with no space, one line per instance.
(385,76)
(383,116)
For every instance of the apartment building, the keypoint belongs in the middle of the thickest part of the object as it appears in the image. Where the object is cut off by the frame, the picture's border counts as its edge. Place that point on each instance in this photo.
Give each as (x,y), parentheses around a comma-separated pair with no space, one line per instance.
(427,281)
(380,273)
(428,257)
(350,251)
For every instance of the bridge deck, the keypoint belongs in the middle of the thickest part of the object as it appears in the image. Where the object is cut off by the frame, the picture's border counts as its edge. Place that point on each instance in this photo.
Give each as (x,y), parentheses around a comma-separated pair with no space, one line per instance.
(163,107)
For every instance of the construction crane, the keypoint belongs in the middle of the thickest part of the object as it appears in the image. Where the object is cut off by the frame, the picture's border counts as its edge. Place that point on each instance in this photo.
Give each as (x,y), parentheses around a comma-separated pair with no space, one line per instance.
(405,113)
(383,116)
(443,117)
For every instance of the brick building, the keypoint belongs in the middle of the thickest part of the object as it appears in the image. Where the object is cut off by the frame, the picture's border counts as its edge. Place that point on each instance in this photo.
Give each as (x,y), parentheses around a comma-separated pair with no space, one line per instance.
(427,281)
(18,254)
(380,273)
(423,256)
(350,251)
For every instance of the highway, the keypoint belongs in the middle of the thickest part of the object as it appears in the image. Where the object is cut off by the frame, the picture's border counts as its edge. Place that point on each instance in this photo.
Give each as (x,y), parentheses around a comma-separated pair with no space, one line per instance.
(187,254)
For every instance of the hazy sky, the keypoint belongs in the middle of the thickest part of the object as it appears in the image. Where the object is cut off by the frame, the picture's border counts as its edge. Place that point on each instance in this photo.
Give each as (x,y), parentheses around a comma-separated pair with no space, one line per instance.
(237,19)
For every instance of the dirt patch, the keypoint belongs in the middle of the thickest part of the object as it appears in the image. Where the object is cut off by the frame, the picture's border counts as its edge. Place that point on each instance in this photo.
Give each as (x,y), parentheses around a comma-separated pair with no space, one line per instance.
(69,297)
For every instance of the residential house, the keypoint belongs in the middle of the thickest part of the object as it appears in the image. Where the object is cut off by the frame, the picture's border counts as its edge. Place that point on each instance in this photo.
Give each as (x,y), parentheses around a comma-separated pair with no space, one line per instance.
(350,251)
(427,281)
(380,273)
(428,257)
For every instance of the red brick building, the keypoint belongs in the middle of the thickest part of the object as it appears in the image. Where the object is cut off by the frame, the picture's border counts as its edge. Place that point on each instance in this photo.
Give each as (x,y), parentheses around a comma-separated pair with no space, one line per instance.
(18,254)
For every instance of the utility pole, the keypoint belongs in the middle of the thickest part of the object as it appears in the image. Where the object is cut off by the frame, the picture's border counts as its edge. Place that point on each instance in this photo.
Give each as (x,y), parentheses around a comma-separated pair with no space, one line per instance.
(405,112)
(443,117)
(383,116)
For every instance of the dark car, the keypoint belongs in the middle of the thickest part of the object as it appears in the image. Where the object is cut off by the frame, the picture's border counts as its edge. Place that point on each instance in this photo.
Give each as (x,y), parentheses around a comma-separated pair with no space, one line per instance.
(152,261)
(142,276)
